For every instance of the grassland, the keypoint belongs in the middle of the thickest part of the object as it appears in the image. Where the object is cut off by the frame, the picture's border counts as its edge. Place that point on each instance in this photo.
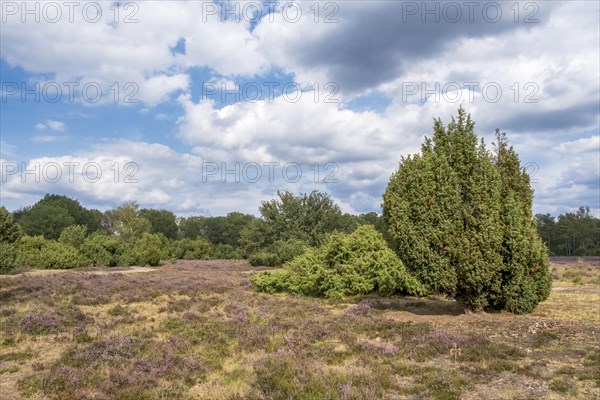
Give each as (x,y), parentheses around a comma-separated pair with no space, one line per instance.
(197,330)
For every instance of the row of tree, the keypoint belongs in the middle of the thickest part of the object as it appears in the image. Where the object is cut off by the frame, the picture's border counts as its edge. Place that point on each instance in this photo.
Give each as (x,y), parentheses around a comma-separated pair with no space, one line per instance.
(52,214)
(570,234)
(58,232)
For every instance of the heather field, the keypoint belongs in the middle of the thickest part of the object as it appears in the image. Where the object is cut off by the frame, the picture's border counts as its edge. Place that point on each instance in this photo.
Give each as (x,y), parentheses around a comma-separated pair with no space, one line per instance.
(198,330)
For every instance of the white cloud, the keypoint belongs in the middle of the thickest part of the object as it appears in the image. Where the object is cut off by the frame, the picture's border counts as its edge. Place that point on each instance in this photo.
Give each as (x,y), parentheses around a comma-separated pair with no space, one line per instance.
(561,73)
(579,146)
(114,172)
(156,89)
(56,125)
(130,53)
(47,138)
(363,147)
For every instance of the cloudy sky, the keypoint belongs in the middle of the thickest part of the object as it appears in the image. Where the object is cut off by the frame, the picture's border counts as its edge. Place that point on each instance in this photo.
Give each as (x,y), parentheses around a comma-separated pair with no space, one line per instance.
(210,107)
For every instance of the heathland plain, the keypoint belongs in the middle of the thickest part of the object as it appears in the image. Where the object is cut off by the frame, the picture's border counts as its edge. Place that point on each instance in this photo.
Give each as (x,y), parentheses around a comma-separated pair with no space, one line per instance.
(199,330)
(357,307)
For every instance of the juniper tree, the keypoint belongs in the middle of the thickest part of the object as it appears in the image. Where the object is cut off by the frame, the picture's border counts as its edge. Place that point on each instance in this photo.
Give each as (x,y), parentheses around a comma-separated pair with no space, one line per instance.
(445,213)
(10,233)
(525,277)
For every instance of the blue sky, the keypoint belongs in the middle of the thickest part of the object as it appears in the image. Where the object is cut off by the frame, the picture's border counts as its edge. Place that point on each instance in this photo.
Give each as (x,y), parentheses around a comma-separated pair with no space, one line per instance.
(210,107)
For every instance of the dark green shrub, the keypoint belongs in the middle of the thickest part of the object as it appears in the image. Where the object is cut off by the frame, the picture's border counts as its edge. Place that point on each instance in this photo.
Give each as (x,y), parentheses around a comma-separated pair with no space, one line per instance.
(278,253)
(37,252)
(145,251)
(73,235)
(191,249)
(101,249)
(264,259)
(358,263)
(289,249)
(8,257)
(226,252)
(10,233)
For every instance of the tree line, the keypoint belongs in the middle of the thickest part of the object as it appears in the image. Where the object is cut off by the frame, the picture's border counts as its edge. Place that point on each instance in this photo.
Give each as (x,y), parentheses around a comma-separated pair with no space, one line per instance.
(570,234)
(58,232)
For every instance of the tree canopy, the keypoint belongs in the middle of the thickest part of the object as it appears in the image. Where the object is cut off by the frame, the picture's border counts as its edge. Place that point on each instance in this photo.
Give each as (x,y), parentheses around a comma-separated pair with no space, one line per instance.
(571,234)
(161,221)
(53,213)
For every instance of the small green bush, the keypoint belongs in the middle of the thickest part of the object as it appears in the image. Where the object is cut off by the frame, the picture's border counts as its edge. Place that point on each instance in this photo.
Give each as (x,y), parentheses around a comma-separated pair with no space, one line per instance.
(278,253)
(289,249)
(191,249)
(270,281)
(29,251)
(145,251)
(10,233)
(73,235)
(8,257)
(37,252)
(264,258)
(345,265)
(223,251)
(101,249)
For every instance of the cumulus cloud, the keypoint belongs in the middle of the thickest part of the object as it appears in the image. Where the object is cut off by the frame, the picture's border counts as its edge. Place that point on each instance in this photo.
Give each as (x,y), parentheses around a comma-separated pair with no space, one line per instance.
(366,44)
(56,125)
(523,73)
(579,147)
(131,44)
(569,176)
(47,138)
(53,125)
(114,172)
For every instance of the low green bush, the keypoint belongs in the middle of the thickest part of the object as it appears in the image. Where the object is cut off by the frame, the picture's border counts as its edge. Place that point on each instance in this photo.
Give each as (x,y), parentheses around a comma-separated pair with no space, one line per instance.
(101,249)
(223,251)
(10,233)
(289,249)
(37,252)
(8,257)
(264,259)
(73,235)
(278,253)
(145,251)
(191,249)
(354,264)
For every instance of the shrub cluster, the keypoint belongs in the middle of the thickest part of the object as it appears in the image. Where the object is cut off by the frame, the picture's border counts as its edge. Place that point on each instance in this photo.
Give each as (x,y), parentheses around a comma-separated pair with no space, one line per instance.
(345,265)
(101,249)
(278,253)
(37,252)
(8,257)
(75,249)
(9,236)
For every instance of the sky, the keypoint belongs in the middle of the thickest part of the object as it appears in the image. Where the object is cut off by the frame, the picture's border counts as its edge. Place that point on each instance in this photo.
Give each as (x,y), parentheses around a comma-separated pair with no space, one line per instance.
(204,108)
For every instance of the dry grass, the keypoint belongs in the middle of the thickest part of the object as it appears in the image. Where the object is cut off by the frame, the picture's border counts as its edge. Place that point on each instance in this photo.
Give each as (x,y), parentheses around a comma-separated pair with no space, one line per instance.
(197,330)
